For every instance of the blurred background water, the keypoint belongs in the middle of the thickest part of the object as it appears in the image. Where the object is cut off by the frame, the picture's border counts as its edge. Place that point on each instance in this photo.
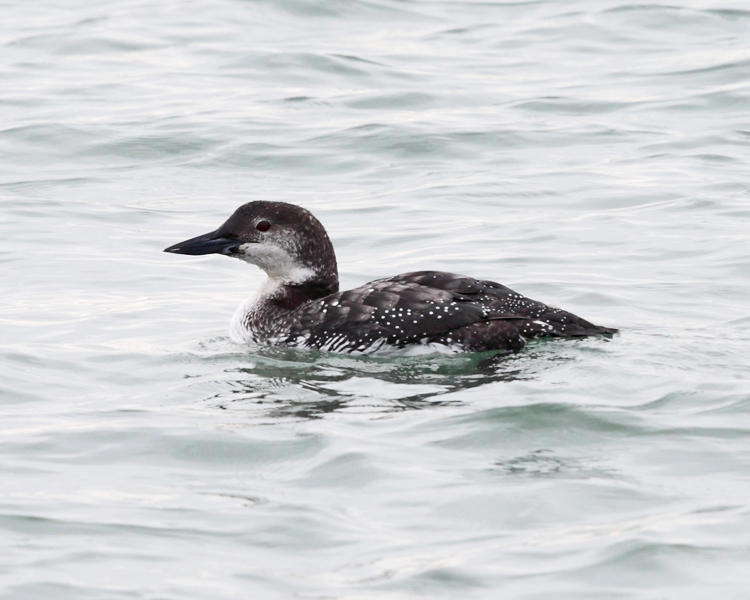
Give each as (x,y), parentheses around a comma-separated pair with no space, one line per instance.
(591,154)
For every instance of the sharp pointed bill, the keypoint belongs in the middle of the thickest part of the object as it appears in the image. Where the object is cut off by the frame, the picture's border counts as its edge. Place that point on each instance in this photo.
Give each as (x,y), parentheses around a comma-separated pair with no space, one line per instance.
(301,305)
(208,243)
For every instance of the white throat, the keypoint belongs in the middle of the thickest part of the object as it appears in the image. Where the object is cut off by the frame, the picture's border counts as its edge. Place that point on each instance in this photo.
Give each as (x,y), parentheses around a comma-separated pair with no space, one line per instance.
(278,264)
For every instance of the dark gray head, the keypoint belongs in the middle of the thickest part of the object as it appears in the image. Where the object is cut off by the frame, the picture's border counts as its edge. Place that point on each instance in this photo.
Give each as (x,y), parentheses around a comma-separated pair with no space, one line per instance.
(284,240)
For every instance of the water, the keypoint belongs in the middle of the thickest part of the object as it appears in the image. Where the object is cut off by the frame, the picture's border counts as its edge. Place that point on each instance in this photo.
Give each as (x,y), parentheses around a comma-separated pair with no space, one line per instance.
(591,154)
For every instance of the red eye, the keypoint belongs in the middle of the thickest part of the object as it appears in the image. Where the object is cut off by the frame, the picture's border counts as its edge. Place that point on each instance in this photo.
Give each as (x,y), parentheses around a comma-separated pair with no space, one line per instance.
(263,226)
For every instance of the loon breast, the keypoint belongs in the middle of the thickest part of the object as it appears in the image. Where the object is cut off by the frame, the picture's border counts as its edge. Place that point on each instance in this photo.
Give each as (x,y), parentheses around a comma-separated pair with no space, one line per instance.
(429,307)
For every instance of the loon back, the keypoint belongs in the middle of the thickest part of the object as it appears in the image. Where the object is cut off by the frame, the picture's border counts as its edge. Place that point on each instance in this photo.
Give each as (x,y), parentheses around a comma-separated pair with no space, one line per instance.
(300,305)
(431,307)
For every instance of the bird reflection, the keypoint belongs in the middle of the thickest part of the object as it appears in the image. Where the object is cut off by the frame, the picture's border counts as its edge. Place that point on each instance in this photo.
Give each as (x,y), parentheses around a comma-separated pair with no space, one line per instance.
(288,383)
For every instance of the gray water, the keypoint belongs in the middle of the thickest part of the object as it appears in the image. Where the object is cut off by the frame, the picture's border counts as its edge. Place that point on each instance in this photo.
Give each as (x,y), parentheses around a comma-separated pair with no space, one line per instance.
(590,154)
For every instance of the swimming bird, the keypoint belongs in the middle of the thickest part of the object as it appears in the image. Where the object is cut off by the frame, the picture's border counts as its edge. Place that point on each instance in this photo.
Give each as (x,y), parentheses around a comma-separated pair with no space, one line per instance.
(301,305)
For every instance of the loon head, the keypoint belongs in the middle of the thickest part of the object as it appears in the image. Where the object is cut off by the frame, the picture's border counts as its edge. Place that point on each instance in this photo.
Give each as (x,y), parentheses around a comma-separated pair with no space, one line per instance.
(284,240)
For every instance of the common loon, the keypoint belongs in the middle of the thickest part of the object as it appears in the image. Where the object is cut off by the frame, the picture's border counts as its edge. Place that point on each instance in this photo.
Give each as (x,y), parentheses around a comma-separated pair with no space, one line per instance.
(301,305)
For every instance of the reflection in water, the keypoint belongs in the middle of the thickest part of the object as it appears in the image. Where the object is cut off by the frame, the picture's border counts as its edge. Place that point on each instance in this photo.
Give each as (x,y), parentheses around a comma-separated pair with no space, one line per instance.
(545,463)
(309,384)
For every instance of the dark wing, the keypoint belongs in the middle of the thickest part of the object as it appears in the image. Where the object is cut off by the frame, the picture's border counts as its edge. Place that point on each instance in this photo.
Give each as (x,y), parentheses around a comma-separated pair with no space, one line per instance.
(429,306)
(387,311)
(502,303)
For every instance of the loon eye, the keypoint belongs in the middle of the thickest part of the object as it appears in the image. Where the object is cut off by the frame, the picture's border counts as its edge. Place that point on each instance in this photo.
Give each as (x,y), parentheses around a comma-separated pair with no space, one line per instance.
(263,226)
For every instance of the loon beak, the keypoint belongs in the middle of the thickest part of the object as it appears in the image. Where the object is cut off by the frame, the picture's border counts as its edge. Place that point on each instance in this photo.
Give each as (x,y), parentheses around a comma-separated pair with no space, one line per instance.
(208,243)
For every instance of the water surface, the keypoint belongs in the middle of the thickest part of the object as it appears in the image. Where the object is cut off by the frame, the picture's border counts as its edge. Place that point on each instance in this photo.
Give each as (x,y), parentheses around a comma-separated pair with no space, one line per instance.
(593,155)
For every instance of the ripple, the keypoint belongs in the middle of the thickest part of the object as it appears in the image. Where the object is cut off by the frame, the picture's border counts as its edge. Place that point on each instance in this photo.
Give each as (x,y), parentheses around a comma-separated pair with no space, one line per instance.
(590,154)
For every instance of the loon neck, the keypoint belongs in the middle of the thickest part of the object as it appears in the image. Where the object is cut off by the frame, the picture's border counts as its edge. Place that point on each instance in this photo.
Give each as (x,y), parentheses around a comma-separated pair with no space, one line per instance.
(288,296)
